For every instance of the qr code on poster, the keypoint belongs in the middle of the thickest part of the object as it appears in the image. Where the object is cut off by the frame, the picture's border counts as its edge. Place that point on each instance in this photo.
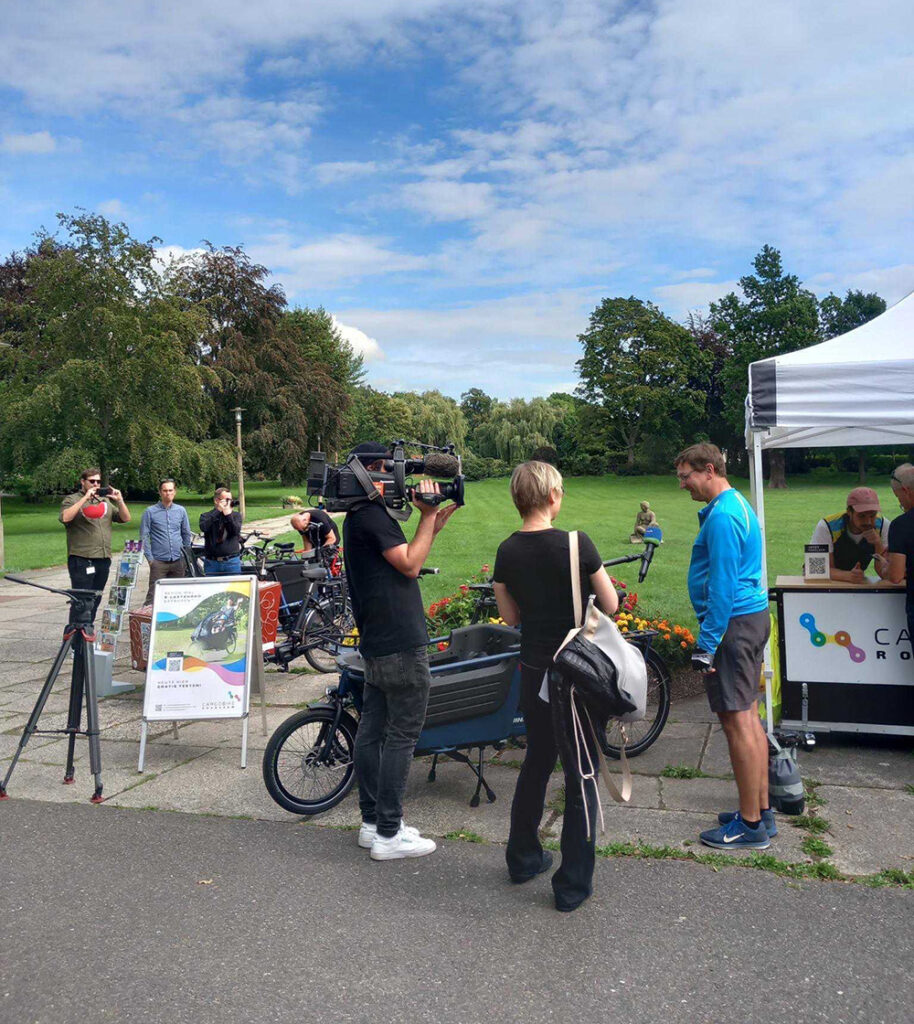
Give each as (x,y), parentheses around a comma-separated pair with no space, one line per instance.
(816,565)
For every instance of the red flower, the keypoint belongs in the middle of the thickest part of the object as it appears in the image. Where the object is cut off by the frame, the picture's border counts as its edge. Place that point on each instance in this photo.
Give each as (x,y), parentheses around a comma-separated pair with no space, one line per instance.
(464,589)
(442,646)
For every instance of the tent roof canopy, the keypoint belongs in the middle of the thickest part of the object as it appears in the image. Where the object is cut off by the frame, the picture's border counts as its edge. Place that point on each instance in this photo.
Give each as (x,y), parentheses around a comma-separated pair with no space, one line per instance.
(856,389)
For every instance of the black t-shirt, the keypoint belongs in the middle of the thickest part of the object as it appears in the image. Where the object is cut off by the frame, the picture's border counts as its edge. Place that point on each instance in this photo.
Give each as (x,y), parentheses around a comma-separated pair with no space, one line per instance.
(221,534)
(901,542)
(535,568)
(319,528)
(387,605)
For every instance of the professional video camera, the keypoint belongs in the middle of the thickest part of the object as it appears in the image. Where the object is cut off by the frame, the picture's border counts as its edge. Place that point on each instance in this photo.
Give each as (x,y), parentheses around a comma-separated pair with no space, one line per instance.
(346,486)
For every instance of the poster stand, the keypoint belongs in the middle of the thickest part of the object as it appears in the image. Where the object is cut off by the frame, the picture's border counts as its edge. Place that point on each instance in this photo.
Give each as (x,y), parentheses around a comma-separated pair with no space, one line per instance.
(113,618)
(202,688)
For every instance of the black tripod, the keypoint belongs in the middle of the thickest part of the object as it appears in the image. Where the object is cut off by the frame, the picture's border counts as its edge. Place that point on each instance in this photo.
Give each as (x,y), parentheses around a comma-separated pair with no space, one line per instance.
(79,635)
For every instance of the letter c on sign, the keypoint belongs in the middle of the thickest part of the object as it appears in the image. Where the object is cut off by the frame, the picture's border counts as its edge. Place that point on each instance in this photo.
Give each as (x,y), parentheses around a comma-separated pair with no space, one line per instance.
(881,629)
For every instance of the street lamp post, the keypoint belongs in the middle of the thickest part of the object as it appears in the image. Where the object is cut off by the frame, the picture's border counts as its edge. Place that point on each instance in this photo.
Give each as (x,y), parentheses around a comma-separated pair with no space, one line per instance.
(238,410)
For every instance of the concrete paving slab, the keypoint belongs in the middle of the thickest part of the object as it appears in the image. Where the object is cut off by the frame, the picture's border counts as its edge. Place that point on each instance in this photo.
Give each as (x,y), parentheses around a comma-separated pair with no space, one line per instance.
(443,806)
(871,762)
(716,760)
(692,709)
(22,701)
(707,795)
(9,743)
(34,780)
(211,784)
(16,675)
(111,712)
(679,743)
(871,829)
(227,733)
(293,688)
(680,830)
(18,652)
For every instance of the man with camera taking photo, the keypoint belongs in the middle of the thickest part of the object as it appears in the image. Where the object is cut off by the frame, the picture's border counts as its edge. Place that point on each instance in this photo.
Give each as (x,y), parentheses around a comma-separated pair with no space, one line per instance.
(221,529)
(88,514)
(382,570)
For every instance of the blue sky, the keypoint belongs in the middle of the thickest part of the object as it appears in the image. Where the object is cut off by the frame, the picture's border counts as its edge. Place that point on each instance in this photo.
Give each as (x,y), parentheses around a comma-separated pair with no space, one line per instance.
(460,190)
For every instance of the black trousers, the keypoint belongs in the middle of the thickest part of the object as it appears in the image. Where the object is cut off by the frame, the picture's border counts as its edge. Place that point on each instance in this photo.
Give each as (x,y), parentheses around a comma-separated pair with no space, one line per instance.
(89,574)
(573,882)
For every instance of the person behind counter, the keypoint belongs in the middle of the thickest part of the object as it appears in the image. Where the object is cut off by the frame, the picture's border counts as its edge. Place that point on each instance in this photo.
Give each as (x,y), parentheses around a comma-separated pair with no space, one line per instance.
(855,537)
(901,539)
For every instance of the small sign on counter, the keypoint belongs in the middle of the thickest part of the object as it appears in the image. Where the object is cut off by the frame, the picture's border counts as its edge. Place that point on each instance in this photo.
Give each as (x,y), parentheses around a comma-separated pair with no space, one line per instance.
(816,562)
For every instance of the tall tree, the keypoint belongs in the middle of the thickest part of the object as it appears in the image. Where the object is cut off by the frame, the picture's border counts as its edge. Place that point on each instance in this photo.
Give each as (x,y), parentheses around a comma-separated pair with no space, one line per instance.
(774,316)
(436,419)
(377,416)
(838,316)
(640,367)
(475,405)
(513,430)
(97,366)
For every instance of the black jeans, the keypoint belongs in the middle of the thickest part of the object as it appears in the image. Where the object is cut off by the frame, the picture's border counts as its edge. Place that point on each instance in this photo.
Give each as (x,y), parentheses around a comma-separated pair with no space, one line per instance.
(573,882)
(89,574)
(393,712)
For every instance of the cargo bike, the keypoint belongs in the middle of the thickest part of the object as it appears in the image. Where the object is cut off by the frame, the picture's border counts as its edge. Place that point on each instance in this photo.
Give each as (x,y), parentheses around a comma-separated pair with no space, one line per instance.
(473,705)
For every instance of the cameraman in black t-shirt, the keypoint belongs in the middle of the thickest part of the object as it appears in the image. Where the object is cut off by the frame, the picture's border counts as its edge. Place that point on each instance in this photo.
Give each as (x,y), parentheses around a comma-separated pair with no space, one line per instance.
(901,539)
(316,527)
(382,569)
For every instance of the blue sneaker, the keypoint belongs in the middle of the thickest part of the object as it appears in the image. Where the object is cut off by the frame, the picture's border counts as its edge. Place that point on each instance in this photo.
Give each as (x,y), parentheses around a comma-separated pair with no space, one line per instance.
(725,817)
(736,835)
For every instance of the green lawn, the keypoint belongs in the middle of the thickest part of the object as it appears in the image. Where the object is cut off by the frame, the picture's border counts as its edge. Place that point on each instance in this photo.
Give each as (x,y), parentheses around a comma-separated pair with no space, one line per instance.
(35,539)
(605,507)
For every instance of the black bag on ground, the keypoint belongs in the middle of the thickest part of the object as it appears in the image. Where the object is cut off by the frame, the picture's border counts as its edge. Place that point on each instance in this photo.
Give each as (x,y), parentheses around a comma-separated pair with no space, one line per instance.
(785,786)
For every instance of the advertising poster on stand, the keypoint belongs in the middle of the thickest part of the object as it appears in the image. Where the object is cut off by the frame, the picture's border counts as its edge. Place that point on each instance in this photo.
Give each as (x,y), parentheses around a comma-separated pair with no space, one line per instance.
(199,649)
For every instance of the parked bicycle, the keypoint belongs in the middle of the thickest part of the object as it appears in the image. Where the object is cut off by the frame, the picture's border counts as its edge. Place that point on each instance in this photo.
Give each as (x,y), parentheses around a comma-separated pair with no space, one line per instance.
(473,704)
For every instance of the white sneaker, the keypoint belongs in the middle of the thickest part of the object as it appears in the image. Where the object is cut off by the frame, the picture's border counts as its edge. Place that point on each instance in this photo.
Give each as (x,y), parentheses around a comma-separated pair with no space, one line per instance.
(368,833)
(406,843)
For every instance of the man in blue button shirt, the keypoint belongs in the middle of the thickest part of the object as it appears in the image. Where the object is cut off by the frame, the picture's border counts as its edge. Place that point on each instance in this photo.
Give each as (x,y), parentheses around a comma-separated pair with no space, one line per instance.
(731,605)
(164,530)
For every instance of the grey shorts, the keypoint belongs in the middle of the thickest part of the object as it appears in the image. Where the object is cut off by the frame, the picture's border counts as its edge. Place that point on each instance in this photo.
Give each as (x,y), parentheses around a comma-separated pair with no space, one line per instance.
(734,686)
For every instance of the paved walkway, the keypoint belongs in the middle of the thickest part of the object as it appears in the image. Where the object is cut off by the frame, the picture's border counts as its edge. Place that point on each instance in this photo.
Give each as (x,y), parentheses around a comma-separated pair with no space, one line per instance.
(866,785)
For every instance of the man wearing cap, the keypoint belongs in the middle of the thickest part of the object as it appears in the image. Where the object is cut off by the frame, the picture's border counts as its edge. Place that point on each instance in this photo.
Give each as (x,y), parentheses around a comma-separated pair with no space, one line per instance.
(382,570)
(855,537)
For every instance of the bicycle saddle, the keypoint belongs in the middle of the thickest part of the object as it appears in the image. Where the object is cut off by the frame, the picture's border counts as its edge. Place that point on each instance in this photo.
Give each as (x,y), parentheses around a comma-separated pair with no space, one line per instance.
(288,546)
(314,574)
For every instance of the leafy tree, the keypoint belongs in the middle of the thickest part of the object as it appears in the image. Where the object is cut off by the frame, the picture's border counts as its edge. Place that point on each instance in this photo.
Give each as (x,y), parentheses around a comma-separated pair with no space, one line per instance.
(296,387)
(476,406)
(377,416)
(640,368)
(97,366)
(774,316)
(715,425)
(838,316)
(514,429)
(436,419)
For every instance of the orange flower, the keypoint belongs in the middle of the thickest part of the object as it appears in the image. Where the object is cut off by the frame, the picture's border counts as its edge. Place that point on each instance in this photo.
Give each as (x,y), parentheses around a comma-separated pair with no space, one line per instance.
(683,645)
(666,636)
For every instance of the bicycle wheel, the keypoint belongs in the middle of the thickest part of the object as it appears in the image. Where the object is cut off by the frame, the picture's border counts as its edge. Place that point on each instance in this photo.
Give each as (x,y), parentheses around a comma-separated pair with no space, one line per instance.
(306,770)
(326,627)
(642,734)
(231,642)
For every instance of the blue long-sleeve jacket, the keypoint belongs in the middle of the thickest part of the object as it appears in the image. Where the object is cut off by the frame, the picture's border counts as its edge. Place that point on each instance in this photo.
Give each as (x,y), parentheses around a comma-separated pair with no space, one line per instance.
(725,574)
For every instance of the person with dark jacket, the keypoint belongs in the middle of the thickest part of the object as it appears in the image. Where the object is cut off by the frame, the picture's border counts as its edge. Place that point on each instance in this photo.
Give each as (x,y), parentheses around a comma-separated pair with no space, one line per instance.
(221,529)
(901,540)
(532,581)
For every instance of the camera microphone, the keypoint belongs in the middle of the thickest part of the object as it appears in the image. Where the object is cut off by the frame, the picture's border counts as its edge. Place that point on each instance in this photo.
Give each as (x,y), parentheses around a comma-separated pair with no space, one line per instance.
(652,537)
(441,464)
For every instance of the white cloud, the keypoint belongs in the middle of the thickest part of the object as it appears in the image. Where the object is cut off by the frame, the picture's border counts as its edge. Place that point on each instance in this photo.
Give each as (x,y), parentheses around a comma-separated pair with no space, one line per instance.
(449,200)
(332,173)
(112,208)
(361,344)
(28,143)
(892,283)
(678,300)
(329,262)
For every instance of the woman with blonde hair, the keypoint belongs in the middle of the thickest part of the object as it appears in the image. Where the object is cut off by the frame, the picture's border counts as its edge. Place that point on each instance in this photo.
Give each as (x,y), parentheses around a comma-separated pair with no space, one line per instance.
(533,589)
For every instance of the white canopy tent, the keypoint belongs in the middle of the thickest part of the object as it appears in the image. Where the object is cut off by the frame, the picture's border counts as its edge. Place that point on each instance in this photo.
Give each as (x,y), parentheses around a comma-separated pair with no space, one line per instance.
(856,389)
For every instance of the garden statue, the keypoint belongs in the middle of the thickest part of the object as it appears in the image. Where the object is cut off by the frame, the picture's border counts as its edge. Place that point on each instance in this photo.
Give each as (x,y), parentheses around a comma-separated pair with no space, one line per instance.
(643,520)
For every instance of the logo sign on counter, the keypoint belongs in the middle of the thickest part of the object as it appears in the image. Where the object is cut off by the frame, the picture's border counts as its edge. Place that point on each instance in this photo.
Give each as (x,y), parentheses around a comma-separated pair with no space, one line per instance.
(847,637)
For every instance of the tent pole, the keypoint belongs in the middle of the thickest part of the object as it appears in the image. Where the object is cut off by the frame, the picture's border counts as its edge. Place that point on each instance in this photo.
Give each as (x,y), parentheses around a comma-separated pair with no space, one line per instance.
(757,484)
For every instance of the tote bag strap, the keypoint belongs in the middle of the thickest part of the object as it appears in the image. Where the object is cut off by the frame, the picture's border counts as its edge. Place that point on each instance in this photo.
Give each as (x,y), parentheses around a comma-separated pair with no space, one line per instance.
(575,577)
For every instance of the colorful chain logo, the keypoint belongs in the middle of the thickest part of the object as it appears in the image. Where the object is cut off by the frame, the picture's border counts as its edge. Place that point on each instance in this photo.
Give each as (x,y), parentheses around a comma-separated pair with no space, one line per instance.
(842,638)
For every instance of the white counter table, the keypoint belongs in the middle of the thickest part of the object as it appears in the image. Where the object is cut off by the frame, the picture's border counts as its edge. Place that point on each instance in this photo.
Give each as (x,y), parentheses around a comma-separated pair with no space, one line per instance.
(848,646)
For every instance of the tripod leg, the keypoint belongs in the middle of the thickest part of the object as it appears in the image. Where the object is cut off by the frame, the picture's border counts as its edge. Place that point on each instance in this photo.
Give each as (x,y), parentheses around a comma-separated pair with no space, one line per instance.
(95,751)
(74,716)
(431,771)
(32,723)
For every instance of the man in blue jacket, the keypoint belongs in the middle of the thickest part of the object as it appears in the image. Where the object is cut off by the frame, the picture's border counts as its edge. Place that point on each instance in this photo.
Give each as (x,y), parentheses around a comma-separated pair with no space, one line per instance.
(725,588)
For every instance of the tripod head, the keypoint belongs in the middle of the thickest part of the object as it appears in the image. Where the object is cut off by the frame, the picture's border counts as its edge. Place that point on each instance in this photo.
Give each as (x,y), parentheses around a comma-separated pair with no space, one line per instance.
(81,601)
